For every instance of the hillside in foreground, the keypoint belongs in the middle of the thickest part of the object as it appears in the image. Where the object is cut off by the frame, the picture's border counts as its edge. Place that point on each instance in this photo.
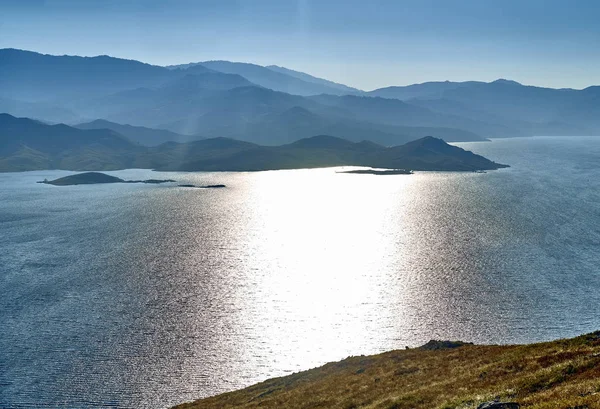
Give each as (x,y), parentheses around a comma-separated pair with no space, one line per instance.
(563,374)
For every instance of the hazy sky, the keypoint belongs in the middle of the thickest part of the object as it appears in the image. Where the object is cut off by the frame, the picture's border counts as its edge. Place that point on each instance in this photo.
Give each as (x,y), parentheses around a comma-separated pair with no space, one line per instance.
(363,43)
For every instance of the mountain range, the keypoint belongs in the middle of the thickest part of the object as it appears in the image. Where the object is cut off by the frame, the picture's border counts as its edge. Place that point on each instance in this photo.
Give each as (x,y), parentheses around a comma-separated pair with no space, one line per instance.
(27,144)
(139,134)
(274,105)
(532,110)
(276,78)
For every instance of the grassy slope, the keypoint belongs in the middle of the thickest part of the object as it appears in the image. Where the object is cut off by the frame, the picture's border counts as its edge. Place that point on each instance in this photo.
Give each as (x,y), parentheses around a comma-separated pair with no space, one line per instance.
(559,375)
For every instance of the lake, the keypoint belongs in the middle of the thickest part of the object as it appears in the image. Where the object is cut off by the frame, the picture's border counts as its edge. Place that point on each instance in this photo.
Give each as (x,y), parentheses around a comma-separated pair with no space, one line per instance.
(135,295)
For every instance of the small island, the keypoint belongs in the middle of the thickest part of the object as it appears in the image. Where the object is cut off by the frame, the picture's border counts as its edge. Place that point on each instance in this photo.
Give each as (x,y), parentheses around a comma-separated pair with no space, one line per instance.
(92,178)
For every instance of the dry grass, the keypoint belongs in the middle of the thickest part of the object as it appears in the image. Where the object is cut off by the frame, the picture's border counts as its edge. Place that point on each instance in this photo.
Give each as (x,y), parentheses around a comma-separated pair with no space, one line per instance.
(563,374)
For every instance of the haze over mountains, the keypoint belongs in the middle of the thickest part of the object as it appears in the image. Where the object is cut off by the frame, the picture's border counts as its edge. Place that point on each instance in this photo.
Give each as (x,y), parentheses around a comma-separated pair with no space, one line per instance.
(26,144)
(139,134)
(275,105)
(276,78)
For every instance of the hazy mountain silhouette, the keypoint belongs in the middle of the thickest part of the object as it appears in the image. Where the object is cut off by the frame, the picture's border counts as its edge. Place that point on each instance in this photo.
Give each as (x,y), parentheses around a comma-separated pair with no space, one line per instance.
(189,100)
(542,110)
(175,99)
(512,100)
(584,110)
(248,101)
(43,111)
(531,110)
(424,90)
(26,144)
(30,76)
(194,82)
(139,134)
(272,79)
(236,108)
(253,113)
(343,89)
(295,123)
(399,113)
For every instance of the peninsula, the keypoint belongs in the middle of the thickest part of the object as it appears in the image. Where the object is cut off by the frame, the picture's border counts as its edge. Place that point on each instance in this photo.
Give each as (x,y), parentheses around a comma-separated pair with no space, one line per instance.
(32,145)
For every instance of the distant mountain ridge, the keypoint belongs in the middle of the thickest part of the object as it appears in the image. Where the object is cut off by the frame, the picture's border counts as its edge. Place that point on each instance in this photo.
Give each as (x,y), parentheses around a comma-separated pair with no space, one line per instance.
(277,79)
(38,110)
(309,78)
(298,122)
(30,76)
(265,116)
(532,110)
(258,104)
(434,89)
(139,134)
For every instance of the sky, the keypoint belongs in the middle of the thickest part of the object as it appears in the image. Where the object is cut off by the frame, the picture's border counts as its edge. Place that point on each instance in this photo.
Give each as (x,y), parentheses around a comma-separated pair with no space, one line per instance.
(367,44)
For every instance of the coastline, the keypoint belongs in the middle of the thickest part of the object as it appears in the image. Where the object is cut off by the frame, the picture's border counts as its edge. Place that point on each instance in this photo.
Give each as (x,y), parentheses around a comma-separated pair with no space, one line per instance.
(559,374)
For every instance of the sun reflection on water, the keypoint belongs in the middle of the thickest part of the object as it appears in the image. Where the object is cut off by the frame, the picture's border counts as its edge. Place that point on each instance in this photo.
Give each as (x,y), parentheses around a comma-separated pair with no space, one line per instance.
(323,247)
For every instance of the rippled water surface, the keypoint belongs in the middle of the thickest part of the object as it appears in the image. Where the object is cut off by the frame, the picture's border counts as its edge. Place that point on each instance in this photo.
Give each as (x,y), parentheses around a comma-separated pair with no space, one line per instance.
(151,295)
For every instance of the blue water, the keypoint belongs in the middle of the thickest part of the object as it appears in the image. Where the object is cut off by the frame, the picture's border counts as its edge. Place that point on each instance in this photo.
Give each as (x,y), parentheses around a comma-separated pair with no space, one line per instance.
(150,295)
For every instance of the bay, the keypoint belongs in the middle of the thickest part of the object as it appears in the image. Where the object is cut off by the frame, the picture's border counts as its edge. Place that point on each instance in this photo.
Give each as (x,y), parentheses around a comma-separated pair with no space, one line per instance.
(151,295)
